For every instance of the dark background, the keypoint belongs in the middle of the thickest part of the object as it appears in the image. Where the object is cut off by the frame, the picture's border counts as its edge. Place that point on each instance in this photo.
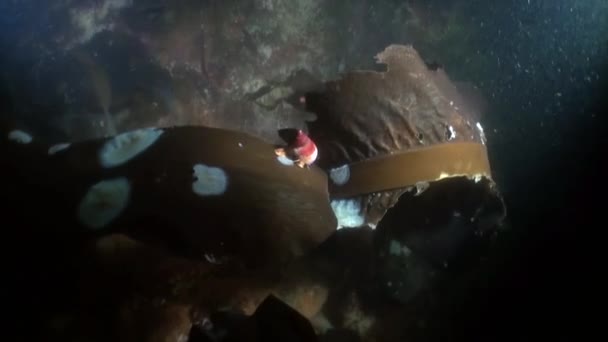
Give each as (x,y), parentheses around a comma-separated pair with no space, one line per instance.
(546,78)
(548,157)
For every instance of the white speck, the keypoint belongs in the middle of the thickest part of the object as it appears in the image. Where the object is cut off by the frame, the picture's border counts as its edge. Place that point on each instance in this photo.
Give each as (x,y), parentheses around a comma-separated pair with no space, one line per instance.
(451,103)
(371,225)
(208,180)
(421,187)
(20,137)
(104,202)
(126,146)
(395,248)
(212,259)
(284,160)
(58,147)
(481,133)
(241,145)
(313,155)
(443,175)
(340,175)
(348,213)
(405,250)
(452,133)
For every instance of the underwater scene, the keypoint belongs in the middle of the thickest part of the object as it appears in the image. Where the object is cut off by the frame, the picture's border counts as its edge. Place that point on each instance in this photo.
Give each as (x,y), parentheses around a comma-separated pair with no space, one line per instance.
(300,170)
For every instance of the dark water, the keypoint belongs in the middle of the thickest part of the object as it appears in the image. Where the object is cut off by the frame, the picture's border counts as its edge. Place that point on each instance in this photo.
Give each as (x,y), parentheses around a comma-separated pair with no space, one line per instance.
(542,67)
(548,90)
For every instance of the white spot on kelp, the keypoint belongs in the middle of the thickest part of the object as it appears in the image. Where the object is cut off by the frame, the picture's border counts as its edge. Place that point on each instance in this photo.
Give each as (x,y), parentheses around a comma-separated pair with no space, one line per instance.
(104,202)
(57,148)
(340,175)
(20,137)
(285,161)
(212,259)
(209,180)
(126,146)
